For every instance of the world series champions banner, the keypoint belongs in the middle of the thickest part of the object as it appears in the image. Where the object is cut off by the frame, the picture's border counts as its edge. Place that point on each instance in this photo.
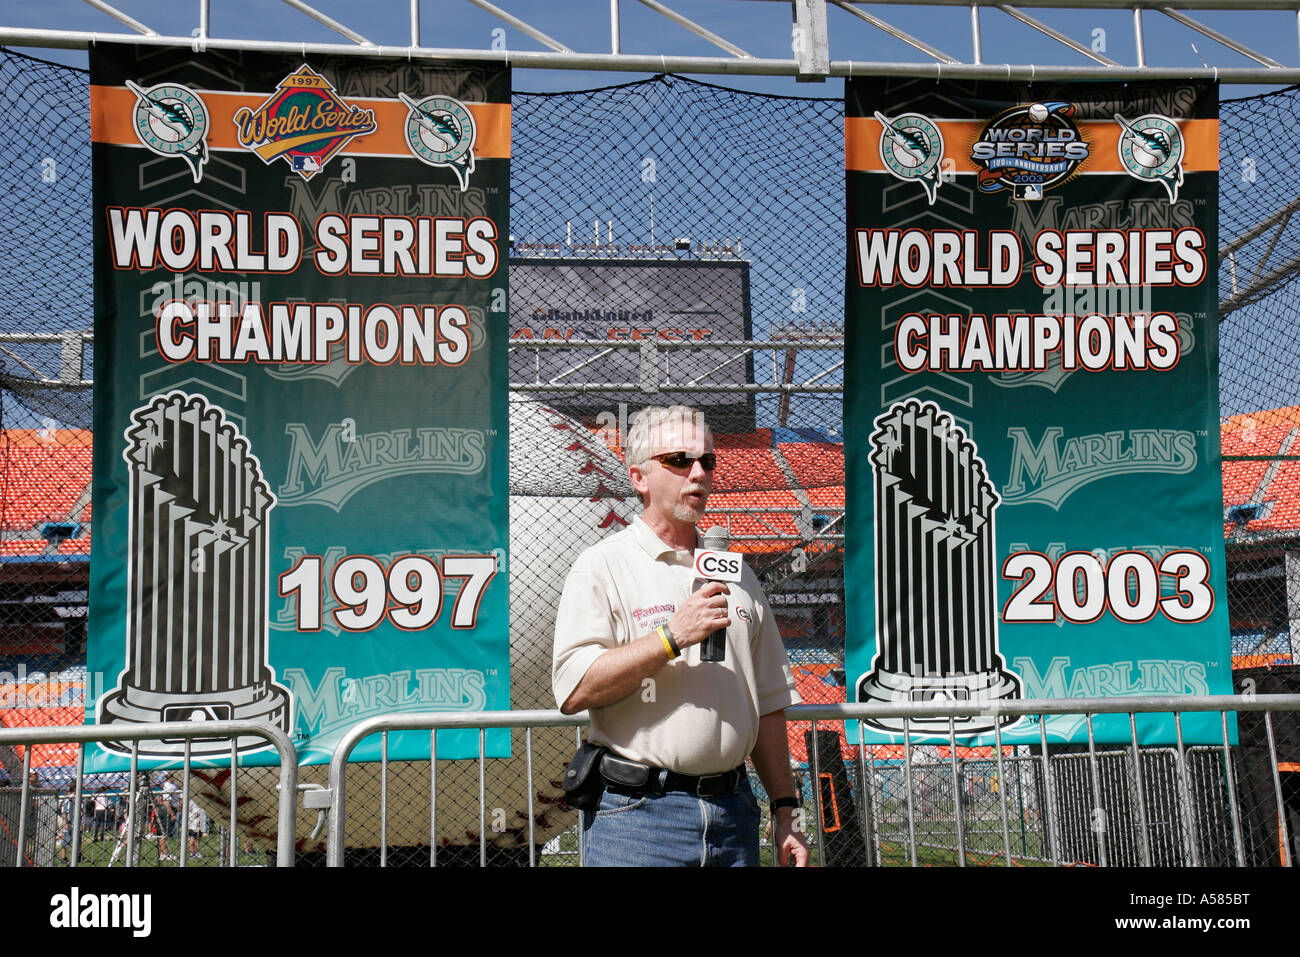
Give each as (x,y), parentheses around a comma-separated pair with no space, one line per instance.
(1032,429)
(300,503)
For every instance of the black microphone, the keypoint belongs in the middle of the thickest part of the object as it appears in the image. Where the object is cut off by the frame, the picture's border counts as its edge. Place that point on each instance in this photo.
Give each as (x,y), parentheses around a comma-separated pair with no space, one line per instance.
(714,648)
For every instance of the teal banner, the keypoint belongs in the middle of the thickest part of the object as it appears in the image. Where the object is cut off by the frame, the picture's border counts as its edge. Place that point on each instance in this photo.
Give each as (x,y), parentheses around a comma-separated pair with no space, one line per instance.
(1031,435)
(299,510)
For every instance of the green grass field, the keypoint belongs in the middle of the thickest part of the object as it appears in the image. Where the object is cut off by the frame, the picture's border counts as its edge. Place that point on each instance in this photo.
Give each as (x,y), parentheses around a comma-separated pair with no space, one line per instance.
(99,853)
(935,848)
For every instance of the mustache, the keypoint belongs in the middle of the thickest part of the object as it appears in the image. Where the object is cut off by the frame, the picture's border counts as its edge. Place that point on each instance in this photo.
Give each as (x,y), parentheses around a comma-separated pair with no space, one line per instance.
(695,489)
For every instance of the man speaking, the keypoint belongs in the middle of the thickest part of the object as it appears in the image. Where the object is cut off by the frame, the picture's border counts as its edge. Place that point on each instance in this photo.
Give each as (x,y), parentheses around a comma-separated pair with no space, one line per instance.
(677,728)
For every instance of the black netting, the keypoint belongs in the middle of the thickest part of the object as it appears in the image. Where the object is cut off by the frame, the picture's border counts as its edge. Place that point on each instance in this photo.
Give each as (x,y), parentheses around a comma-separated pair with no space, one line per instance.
(45,286)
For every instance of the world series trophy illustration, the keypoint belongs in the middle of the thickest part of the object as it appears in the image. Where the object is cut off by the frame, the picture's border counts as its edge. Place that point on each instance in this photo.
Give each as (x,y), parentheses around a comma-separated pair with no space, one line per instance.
(197,579)
(936,574)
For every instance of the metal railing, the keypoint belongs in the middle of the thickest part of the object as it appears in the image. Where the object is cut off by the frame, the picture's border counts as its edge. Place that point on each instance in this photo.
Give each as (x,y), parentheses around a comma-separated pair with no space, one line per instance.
(336,798)
(135,819)
(1058,804)
(1153,806)
(811,46)
(1014,804)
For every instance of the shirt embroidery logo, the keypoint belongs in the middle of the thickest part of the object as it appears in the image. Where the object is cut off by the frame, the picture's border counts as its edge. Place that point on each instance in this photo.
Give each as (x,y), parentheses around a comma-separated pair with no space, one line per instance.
(640,615)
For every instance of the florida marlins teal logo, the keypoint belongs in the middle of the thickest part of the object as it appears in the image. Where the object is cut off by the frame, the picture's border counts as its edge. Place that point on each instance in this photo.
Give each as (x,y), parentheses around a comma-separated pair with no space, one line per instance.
(911,147)
(1151,148)
(440,131)
(171,120)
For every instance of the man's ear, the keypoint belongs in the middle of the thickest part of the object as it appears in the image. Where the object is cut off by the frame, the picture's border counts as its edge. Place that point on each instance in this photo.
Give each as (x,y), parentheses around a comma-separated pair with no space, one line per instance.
(636,473)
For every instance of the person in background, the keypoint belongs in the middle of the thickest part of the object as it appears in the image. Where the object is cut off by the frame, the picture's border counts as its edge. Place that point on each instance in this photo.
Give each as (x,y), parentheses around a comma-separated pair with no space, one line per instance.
(198,826)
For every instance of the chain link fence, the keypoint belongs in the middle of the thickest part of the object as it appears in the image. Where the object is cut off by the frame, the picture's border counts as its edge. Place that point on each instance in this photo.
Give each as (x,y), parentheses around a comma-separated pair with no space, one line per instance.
(673,241)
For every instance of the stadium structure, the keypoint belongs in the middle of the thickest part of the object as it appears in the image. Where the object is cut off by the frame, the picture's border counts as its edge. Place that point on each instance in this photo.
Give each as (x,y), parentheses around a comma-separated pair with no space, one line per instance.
(780,484)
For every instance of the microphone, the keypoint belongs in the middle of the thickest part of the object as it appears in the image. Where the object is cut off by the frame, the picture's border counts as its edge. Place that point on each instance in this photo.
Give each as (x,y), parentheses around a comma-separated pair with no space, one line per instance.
(713,562)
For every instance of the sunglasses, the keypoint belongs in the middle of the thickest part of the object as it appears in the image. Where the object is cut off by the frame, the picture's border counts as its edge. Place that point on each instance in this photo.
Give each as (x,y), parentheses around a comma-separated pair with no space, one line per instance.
(680,460)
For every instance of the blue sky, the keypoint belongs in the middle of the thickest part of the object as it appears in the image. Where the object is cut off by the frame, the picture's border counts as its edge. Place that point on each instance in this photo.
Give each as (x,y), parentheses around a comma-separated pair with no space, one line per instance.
(761,27)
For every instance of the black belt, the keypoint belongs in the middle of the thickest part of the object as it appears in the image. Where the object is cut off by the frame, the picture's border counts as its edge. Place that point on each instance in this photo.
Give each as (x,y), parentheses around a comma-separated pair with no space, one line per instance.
(637,779)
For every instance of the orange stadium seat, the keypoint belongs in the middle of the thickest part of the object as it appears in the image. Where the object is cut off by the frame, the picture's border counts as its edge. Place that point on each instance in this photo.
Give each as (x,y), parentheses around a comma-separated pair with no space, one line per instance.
(45,755)
(826,497)
(764,523)
(42,475)
(1253,440)
(746,462)
(1260,661)
(1286,416)
(815,464)
(1240,479)
(1281,492)
(23,546)
(1261,433)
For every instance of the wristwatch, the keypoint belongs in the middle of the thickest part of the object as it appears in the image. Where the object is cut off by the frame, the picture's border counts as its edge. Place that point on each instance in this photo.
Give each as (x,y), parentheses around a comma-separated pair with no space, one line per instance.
(782,802)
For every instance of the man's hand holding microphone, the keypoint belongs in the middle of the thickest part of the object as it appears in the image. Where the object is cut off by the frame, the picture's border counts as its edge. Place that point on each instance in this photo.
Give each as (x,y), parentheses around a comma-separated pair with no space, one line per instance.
(704,617)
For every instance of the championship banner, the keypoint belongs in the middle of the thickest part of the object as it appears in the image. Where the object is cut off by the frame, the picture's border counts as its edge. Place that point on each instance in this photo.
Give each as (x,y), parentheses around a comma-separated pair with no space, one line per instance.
(300,503)
(1032,434)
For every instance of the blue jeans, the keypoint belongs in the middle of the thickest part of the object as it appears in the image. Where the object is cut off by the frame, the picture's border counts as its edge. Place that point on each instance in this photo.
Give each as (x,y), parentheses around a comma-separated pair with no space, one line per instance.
(673,830)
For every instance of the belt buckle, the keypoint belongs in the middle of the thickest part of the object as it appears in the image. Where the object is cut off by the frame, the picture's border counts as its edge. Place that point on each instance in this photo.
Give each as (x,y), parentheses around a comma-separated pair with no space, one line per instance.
(718,784)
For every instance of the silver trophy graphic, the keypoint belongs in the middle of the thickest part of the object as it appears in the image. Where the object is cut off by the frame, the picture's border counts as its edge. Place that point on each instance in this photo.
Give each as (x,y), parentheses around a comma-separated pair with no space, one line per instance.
(197,579)
(936,575)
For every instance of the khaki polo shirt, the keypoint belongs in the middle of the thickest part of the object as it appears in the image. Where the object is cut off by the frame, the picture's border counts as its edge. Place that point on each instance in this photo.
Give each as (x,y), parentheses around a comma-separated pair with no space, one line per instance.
(696,717)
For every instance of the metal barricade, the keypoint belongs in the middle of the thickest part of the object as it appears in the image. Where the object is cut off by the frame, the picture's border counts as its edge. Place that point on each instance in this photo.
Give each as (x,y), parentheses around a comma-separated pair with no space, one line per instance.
(431,722)
(40,822)
(1153,806)
(1041,804)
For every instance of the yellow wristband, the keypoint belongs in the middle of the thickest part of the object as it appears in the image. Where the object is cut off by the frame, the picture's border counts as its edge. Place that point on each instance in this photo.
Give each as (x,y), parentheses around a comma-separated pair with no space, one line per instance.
(670,646)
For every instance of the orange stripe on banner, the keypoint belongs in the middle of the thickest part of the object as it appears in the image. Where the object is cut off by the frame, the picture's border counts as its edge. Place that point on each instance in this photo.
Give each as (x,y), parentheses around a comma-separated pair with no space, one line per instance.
(112,112)
(862,145)
(1290,767)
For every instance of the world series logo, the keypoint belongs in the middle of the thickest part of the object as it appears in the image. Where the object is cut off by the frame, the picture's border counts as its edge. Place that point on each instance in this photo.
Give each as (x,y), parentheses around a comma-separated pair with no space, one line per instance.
(171,120)
(440,131)
(1028,149)
(304,122)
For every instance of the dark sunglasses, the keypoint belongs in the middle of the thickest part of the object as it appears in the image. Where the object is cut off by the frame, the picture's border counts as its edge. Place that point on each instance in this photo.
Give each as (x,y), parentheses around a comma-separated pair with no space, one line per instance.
(680,460)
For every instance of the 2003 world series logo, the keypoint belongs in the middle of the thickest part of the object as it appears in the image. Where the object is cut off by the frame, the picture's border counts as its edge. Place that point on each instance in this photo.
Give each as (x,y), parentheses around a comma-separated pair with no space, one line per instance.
(1029,148)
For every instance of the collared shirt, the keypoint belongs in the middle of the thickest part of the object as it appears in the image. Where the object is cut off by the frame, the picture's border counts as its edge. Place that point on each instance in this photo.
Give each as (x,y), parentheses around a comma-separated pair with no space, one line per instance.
(692,716)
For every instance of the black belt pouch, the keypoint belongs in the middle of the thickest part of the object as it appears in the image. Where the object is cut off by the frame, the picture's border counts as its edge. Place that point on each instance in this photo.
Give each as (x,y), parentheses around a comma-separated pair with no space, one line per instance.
(583,784)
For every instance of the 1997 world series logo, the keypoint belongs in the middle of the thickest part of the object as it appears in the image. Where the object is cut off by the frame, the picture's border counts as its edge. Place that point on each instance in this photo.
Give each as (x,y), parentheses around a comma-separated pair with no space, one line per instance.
(304,122)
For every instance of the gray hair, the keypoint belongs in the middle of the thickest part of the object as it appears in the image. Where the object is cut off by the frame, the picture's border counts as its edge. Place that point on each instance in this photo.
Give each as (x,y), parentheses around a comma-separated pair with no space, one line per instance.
(646,423)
